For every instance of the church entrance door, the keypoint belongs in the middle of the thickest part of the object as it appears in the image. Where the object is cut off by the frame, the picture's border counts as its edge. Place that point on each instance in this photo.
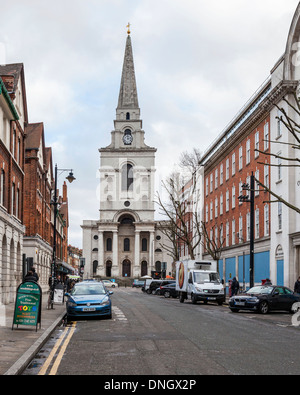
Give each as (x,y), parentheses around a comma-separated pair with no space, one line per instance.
(126,271)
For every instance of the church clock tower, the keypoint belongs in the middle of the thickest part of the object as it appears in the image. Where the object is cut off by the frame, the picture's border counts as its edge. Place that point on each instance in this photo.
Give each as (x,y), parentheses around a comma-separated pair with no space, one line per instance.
(125,232)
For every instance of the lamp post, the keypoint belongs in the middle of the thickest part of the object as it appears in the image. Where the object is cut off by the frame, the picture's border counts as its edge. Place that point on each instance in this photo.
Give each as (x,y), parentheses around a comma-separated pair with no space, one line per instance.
(250,199)
(54,202)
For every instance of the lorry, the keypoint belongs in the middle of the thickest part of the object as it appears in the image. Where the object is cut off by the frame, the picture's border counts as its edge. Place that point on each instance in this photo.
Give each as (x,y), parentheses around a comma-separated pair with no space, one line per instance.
(199,281)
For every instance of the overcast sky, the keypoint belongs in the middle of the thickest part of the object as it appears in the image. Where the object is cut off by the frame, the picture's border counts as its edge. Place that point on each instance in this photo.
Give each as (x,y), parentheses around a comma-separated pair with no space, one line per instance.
(197,63)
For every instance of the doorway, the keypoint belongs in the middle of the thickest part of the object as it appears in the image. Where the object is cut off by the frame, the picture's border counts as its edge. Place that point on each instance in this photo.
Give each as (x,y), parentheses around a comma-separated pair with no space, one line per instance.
(126,269)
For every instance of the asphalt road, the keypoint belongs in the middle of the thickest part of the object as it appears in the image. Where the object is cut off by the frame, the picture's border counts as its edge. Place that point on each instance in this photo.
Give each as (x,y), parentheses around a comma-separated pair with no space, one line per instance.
(150,335)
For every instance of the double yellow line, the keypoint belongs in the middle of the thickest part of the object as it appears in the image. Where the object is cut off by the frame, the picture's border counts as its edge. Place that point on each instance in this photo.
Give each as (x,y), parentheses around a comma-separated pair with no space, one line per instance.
(61,343)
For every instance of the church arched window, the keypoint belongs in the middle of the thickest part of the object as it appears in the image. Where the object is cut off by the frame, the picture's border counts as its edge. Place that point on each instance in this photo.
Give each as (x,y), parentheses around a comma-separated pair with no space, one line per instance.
(126,245)
(128,116)
(127,177)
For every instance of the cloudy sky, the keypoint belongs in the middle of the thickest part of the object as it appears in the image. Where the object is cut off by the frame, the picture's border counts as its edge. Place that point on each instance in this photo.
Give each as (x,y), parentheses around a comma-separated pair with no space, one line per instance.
(197,62)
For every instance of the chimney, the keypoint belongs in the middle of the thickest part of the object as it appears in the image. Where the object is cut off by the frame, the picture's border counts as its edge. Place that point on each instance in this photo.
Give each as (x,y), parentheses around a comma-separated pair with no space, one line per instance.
(65,192)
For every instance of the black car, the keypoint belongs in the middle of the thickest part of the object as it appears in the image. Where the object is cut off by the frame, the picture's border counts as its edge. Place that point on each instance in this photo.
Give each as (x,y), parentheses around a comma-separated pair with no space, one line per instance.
(264,299)
(158,283)
(169,291)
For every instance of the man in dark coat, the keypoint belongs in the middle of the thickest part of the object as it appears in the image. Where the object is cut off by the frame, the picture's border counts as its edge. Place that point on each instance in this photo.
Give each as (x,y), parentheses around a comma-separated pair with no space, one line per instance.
(235,287)
(297,286)
(30,277)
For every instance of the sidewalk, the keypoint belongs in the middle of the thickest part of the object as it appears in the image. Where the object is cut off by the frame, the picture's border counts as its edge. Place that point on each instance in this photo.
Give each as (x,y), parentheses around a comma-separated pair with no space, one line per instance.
(19,346)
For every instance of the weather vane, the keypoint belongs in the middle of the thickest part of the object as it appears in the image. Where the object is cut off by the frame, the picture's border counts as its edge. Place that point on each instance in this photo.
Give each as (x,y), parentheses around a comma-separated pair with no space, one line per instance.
(128,28)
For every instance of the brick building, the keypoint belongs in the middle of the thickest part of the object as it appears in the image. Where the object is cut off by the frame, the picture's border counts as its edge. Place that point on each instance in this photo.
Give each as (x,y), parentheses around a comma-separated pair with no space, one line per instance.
(13,119)
(38,239)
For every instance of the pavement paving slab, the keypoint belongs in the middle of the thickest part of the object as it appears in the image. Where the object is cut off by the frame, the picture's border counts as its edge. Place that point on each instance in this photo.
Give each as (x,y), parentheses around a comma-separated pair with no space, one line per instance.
(19,346)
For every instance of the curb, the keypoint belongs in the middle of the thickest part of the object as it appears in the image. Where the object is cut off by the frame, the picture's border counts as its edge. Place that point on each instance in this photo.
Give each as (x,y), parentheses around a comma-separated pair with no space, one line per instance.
(18,367)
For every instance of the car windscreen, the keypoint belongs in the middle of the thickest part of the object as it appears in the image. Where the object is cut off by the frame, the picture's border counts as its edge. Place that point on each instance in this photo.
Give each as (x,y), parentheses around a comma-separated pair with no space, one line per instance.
(260,291)
(88,289)
(201,278)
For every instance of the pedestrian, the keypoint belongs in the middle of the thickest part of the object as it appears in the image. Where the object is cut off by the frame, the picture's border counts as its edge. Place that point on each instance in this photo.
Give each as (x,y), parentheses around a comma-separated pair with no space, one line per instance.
(34,273)
(235,287)
(297,286)
(29,277)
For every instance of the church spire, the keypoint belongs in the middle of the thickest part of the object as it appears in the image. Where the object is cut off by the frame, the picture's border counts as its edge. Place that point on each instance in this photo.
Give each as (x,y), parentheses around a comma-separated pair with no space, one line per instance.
(128,98)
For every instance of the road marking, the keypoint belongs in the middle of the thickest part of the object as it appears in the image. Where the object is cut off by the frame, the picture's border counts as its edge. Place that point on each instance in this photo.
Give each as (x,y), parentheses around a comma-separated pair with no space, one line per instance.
(48,361)
(119,314)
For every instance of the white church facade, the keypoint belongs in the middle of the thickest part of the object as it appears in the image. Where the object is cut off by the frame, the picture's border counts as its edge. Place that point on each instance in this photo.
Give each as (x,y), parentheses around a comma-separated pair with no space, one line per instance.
(126,241)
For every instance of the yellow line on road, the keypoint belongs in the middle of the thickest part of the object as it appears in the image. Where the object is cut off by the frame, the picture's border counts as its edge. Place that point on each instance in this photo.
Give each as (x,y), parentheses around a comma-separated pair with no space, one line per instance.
(48,361)
(56,364)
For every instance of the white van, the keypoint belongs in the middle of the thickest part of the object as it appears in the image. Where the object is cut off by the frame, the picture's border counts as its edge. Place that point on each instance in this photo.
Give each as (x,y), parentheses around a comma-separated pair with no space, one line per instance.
(199,281)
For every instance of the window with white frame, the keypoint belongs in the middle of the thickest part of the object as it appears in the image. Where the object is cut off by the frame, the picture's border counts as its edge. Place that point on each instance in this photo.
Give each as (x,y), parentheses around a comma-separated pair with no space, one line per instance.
(216,207)
(248,227)
(211,210)
(221,204)
(2,186)
(279,124)
(267,220)
(233,196)
(257,223)
(233,164)
(266,136)
(227,200)
(248,158)
(233,232)
(216,178)
(256,187)
(240,158)
(211,183)
(279,216)
(240,191)
(279,168)
(206,187)
(206,213)
(227,169)
(227,234)
(241,235)
(221,174)
(266,176)
(256,144)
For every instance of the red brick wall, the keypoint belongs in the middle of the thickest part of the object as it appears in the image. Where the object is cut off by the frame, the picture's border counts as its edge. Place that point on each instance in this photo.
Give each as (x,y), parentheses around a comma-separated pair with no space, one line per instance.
(234,180)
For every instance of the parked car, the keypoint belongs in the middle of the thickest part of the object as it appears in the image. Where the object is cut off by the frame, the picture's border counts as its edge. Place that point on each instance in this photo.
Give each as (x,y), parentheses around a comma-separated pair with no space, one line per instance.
(156,284)
(169,291)
(89,299)
(138,283)
(110,284)
(263,299)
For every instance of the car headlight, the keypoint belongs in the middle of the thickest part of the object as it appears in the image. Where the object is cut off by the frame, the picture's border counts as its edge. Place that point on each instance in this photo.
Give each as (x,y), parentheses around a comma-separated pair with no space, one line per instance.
(105,302)
(72,304)
(221,292)
(253,300)
(199,289)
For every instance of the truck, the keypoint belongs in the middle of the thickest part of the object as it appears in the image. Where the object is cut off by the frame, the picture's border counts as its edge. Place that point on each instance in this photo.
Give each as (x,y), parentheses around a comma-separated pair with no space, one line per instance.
(199,281)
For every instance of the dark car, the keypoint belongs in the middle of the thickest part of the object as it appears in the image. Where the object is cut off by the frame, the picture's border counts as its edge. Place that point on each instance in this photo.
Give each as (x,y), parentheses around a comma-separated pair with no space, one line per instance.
(158,283)
(264,299)
(169,291)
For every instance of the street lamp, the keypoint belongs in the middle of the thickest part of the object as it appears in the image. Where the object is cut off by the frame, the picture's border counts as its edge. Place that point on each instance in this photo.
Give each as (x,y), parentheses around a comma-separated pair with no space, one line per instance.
(54,202)
(250,199)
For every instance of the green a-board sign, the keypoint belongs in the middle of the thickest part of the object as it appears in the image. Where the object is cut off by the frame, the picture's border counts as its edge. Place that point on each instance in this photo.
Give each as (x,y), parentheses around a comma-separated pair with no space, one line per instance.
(28,305)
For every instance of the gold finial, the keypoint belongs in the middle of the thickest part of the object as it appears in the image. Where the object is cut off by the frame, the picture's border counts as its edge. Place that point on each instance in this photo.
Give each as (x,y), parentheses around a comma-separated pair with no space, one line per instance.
(128,28)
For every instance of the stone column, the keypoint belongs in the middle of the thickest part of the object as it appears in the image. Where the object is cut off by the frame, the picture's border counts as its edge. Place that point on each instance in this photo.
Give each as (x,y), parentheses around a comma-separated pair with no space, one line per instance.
(151,252)
(100,270)
(136,271)
(115,263)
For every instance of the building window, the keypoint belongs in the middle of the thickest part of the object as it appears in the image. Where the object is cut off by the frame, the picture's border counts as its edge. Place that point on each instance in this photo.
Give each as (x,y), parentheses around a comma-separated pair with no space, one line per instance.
(221,204)
(233,164)
(240,158)
(227,169)
(279,164)
(127,177)
(227,201)
(256,183)
(256,144)
(2,187)
(279,216)
(221,174)
(267,221)
(126,245)
(248,158)
(227,234)
(216,207)
(241,235)
(279,130)
(13,189)
(248,227)
(266,136)
(233,232)
(144,245)
(109,244)
(233,197)
(267,176)
(216,179)
(257,223)
(128,116)
(211,183)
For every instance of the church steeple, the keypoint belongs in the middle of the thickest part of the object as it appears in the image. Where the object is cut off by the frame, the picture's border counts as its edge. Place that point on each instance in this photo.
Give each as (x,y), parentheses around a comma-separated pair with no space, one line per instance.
(128,98)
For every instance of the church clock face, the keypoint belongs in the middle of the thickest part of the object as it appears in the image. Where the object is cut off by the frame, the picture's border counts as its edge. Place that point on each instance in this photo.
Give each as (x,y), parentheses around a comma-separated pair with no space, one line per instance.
(127,138)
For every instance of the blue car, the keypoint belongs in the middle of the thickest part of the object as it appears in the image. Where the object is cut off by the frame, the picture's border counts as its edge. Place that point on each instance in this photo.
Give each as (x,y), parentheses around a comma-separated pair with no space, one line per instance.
(89,299)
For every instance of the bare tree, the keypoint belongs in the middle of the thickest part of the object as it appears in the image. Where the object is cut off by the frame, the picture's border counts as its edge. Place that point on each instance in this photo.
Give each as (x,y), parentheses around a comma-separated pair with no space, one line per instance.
(293,129)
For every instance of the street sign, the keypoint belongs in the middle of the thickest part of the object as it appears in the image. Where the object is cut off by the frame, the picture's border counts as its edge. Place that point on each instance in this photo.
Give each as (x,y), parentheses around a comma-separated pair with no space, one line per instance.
(28,305)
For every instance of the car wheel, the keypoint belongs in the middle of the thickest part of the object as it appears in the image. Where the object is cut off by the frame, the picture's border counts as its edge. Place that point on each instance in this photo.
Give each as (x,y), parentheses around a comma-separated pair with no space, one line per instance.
(264,307)
(181,298)
(167,294)
(148,292)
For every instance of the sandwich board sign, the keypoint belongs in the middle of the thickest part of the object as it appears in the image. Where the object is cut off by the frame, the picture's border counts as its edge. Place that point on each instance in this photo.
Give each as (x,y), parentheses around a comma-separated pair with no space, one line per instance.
(28,305)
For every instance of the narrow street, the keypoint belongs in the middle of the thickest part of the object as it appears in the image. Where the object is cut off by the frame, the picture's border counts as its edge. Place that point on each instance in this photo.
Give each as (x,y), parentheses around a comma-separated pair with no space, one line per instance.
(150,335)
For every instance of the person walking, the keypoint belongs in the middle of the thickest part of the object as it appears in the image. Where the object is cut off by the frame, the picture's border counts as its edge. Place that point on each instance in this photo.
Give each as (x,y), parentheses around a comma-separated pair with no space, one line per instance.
(235,287)
(29,277)
(34,273)
(297,286)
